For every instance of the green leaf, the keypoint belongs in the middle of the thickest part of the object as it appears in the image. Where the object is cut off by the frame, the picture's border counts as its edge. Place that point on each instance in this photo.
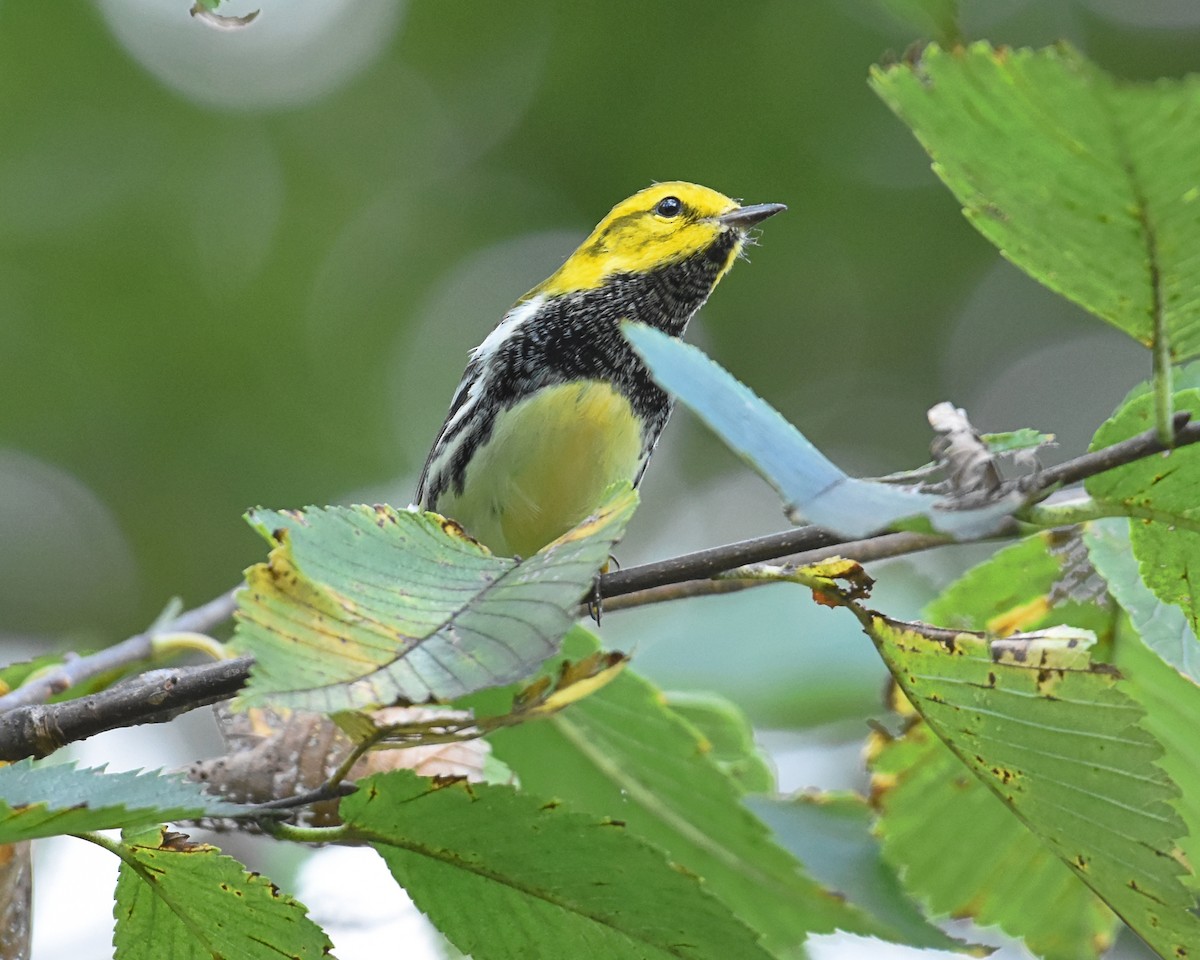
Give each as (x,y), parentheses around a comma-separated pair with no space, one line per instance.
(728,738)
(1172,704)
(1012,441)
(185,900)
(963,853)
(535,874)
(1026,586)
(40,799)
(1162,626)
(931,810)
(832,832)
(1086,183)
(1050,733)
(362,606)
(1164,490)
(621,753)
(806,479)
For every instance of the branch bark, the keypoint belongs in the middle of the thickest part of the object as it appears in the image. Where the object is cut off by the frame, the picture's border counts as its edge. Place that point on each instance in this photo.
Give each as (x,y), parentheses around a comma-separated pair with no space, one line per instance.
(136,649)
(1118,455)
(155,697)
(705,563)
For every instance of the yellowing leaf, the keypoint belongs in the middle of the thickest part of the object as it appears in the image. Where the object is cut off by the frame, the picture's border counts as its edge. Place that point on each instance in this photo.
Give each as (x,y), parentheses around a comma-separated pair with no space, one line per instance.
(1056,739)
(360,606)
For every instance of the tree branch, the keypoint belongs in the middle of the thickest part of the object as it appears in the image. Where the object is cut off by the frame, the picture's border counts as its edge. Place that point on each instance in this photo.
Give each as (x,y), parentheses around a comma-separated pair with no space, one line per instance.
(154,697)
(705,563)
(873,548)
(325,791)
(30,730)
(1118,455)
(120,655)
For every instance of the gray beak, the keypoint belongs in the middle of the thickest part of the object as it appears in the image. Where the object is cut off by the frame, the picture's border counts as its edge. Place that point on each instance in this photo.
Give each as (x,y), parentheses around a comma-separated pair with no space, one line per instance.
(746,217)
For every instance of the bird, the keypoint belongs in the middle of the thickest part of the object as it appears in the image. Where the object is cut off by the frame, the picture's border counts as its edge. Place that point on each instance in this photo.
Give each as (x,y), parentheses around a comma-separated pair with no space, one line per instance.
(554,405)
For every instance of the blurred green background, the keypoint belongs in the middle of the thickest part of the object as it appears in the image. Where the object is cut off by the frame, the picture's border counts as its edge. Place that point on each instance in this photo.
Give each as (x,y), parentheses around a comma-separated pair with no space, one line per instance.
(242,268)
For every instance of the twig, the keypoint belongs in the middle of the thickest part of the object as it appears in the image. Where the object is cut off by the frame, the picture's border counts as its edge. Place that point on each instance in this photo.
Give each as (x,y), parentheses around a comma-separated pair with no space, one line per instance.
(705,563)
(873,548)
(667,592)
(326,791)
(134,650)
(155,697)
(1118,455)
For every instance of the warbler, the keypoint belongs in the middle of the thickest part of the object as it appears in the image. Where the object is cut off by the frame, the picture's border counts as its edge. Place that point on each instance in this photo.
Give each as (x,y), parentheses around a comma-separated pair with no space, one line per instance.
(554,405)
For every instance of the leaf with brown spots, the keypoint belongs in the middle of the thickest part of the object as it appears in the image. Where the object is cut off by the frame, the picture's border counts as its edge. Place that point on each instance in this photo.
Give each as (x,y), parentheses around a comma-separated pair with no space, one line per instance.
(274,754)
(1054,738)
(1057,737)
(182,899)
(359,606)
(963,853)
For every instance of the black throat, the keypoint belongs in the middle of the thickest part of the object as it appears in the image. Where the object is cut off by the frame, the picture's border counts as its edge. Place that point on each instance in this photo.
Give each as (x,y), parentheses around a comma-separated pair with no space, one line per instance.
(577,336)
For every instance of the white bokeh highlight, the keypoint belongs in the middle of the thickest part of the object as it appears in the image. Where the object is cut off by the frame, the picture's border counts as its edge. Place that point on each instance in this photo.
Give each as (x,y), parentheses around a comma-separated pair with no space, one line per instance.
(295,52)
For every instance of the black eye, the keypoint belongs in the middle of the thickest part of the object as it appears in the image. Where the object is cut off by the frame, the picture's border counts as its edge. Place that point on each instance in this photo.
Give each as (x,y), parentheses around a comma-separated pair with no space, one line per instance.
(669,207)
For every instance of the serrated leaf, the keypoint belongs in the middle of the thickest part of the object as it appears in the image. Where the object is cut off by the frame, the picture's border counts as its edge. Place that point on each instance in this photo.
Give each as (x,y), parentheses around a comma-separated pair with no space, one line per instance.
(536,874)
(1086,183)
(621,752)
(1162,626)
(1021,587)
(1051,734)
(832,832)
(931,810)
(810,484)
(1172,704)
(1165,491)
(964,854)
(1014,441)
(362,606)
(185,900)
(39,799)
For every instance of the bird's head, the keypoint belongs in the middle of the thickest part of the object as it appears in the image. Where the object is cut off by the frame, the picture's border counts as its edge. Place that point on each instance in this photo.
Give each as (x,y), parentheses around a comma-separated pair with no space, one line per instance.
(656,227)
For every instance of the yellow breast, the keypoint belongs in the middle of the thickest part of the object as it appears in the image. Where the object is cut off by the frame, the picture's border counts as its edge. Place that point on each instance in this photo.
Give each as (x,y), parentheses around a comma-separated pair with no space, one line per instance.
(546,466)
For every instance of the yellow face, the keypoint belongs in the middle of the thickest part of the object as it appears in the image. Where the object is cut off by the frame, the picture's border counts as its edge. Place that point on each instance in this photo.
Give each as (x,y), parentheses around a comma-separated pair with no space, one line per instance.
(660,225)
